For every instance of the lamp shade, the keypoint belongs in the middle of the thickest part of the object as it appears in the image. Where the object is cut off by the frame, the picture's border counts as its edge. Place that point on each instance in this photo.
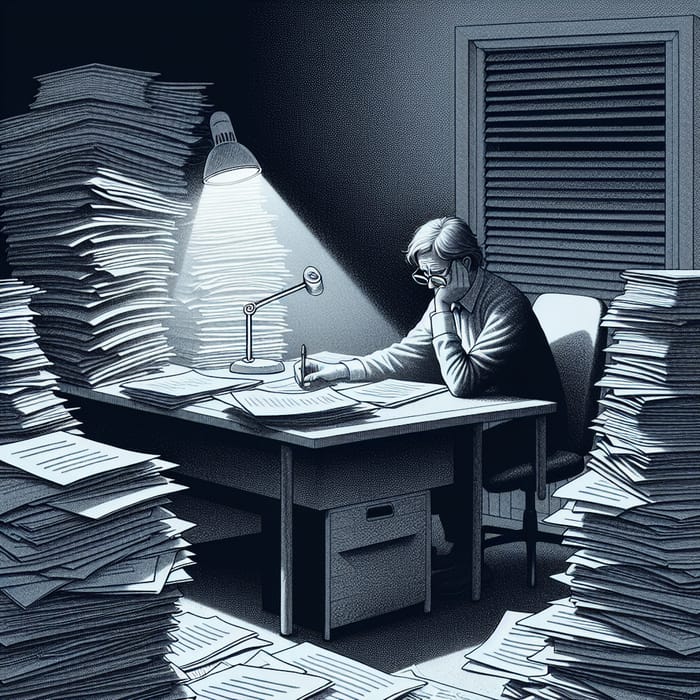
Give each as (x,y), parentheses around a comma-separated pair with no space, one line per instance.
(228,161)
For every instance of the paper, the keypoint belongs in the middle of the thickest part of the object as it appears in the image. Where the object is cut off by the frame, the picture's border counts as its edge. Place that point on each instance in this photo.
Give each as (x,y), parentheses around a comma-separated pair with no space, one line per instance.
(63,458)
(204,640)
(508,651)
(352,680)
(174,390)
(233,258)
(101,244)
(263,659)
(435,690)
(263,404)
(630,625)
(28,404)
(390,393)
(244,682)
(296,409)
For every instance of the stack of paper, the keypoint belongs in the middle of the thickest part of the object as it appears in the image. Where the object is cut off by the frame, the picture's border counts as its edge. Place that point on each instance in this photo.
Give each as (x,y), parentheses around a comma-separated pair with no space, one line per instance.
(233,258)
(93,185)
(297,409)
(89,555)
(631,627)
(656,318)
(28,404)
(178,387)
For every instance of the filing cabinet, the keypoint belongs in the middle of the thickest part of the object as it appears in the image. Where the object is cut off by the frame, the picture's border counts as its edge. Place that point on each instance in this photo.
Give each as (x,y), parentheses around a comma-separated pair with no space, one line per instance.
(358,561)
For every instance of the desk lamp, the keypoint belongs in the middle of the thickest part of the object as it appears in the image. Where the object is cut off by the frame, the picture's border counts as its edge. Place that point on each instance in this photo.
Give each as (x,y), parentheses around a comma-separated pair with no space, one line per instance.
(228,162)
(312,282)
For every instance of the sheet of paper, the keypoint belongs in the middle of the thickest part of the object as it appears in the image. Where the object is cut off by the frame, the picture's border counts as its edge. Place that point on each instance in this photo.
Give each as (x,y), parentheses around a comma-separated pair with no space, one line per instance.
(352,680)
(201,639)
(185,384)
(561,621)
(435,690)
(393,392)
(101,505)
(243,682)
(263,404)
(508,650)
(64,458)
(592,487)
(263,659)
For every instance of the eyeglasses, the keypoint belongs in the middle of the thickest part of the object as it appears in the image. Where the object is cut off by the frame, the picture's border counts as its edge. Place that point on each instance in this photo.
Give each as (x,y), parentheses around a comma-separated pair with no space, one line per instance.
(426,278)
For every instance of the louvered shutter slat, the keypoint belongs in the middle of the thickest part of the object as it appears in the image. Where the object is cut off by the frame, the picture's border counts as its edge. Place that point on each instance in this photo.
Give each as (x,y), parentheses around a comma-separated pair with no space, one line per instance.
(610,51)
(574,165)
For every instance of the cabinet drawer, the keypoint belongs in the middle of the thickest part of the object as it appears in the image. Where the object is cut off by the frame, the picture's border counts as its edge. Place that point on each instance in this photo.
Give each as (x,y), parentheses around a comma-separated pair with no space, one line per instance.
(374,571)
(377,511)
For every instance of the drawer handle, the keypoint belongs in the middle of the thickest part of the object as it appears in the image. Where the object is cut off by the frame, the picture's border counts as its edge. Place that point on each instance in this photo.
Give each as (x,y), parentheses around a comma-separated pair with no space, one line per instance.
(377,512)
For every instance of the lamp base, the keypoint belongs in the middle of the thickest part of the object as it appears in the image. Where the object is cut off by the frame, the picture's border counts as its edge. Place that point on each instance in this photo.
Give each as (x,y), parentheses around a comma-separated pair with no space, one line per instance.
(258,365)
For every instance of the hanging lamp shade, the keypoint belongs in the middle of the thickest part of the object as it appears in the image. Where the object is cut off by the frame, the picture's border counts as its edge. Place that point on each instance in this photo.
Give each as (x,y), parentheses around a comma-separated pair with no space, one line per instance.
(228,161)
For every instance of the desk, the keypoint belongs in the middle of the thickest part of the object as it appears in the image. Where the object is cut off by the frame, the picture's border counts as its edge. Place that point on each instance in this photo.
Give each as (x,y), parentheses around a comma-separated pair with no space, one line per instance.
(391,434)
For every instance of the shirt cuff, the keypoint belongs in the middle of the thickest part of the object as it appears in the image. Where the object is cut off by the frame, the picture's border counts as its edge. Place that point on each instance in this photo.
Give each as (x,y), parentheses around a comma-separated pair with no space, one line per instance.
(442,322)
(357,370)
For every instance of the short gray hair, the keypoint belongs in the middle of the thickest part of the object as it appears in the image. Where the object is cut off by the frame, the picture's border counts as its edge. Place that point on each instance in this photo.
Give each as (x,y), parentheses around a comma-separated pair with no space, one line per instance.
(449,237)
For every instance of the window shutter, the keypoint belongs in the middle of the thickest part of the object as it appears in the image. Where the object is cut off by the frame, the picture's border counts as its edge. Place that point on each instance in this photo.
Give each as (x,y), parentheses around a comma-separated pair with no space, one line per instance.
(574,165)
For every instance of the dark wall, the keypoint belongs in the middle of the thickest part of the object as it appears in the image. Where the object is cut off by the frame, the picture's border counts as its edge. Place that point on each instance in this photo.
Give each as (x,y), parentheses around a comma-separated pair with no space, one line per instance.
(349,106)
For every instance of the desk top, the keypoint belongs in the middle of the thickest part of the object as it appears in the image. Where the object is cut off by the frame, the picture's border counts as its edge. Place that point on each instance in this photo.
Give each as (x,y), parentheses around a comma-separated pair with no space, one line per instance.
(430,413)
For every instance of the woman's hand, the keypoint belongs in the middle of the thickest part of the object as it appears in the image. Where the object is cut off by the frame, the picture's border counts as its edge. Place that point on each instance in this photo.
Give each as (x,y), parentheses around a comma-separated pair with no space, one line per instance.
(317,371)
(457,286)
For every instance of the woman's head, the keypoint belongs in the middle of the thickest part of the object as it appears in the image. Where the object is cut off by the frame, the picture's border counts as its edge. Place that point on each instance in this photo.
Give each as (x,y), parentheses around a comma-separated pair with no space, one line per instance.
(448,238)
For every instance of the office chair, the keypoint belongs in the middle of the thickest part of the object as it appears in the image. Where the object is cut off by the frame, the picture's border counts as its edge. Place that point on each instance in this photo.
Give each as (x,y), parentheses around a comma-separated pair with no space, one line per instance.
(571,325)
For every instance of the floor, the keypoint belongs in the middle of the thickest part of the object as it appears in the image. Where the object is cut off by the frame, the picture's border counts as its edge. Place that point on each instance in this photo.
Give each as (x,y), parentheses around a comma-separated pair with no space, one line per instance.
(227,577)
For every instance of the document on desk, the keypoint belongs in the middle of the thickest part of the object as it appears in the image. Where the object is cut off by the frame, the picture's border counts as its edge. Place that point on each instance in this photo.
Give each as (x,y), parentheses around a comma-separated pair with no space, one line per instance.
(307,408)
(183,388)
(264,404)
(63,458)
(244,682)
(351,679)
(391,393)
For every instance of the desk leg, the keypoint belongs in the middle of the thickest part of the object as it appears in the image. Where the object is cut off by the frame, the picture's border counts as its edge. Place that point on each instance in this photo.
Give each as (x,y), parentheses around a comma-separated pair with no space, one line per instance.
(286,538)
(530,521)
(428,554)
(477,504)
(541,456)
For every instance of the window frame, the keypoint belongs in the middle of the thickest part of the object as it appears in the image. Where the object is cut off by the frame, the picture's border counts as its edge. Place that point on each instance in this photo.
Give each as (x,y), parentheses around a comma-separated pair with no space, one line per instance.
(681,36)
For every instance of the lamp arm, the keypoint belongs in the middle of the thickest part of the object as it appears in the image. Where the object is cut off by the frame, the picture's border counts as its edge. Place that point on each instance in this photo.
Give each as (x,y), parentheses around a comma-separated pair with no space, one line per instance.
(274,297)
(249,310)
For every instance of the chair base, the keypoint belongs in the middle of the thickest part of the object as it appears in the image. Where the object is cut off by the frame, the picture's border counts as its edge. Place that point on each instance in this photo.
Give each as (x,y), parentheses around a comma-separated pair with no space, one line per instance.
(529,534)
(504,535)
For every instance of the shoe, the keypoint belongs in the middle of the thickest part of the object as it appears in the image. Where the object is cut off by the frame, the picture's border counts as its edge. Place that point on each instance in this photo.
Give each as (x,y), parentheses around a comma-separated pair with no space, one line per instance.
(442,562)
(452,583)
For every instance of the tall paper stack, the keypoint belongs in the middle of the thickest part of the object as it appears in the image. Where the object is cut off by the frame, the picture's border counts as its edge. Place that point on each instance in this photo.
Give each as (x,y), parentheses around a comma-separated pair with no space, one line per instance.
(28,404)
(89,559)
(233,258)
(631,626)
(92,187)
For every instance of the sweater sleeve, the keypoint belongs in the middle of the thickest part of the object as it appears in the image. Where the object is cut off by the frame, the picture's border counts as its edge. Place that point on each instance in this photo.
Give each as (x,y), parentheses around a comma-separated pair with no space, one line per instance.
(493,353)
(412,358)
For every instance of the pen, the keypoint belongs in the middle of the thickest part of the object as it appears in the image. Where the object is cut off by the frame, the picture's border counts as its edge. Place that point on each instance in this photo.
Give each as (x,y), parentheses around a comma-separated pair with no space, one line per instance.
(302,370)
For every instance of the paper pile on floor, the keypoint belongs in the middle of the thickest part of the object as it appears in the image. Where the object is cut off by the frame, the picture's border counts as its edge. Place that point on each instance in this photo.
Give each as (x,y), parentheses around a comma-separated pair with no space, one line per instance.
(631,626)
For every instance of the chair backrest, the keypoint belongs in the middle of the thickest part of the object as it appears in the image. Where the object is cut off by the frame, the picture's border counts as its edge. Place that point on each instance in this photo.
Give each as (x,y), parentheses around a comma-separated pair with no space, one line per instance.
(571,324)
